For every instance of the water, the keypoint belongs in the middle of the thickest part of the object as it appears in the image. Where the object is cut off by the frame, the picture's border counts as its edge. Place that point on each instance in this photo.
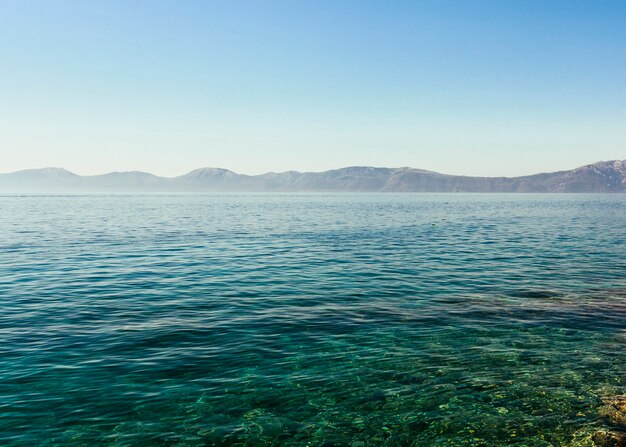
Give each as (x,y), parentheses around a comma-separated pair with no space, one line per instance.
(322,320)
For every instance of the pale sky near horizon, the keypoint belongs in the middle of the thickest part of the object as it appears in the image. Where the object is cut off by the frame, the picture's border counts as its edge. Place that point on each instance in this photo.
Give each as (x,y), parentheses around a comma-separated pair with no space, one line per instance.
(460,87)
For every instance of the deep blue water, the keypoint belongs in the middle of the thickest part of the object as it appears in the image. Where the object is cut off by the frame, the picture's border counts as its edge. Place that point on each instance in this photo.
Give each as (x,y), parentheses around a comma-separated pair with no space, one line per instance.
(319,319)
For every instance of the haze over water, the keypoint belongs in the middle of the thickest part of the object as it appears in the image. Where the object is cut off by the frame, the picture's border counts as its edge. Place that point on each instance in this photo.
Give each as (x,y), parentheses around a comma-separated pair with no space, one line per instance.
(330,320)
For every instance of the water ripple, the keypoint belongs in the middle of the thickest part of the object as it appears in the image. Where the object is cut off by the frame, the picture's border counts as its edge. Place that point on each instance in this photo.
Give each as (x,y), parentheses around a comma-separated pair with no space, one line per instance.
(357,320)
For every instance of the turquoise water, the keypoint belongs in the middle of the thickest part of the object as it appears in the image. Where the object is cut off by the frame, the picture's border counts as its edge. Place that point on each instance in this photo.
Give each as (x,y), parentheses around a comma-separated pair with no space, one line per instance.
(321,320)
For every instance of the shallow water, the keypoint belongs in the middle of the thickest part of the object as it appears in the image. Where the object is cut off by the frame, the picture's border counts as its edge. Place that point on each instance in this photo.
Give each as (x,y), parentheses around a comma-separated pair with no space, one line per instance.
(339,319)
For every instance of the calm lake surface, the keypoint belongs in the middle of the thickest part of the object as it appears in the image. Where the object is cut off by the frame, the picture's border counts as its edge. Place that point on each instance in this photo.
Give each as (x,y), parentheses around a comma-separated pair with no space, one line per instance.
(315,319)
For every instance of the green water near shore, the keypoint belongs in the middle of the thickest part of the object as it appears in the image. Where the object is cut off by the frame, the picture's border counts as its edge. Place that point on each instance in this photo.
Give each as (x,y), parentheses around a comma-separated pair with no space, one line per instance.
(356,320)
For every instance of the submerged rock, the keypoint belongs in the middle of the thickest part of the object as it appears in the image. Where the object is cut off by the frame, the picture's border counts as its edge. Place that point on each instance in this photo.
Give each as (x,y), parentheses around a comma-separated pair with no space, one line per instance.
(609,439)
(615,409)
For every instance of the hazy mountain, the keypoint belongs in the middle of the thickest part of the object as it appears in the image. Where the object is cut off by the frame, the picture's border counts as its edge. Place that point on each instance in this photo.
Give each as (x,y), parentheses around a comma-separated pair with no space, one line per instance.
(606,176)
(46,179)
(216,179)
(123,181)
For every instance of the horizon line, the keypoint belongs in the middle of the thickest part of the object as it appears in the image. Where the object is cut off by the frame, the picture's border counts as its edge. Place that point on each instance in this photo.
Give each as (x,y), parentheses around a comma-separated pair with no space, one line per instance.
(59,168)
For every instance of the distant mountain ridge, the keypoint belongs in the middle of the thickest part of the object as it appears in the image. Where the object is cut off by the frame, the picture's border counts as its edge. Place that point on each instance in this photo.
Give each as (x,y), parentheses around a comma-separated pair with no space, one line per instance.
(603,176)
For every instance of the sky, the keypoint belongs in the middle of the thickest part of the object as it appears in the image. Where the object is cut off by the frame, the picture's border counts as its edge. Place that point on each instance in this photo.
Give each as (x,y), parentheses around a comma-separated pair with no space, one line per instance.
(461,87)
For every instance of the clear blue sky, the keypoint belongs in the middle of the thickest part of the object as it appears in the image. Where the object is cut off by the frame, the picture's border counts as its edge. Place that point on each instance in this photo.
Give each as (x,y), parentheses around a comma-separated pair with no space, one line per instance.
(502,87)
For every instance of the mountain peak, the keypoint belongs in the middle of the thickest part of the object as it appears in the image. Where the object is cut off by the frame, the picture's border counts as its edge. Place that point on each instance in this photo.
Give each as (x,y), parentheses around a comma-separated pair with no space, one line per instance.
(203,172)
(605,176)
(48,172)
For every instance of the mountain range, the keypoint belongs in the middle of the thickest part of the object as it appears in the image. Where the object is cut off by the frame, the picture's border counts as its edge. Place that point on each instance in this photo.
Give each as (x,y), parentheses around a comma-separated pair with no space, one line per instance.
(604,176)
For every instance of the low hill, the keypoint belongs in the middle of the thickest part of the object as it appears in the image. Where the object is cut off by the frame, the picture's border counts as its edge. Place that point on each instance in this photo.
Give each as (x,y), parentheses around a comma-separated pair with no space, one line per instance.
(604,176)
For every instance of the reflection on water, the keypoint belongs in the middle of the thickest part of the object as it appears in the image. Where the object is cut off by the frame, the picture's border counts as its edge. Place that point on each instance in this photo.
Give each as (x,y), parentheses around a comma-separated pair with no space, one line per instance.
(347,320)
